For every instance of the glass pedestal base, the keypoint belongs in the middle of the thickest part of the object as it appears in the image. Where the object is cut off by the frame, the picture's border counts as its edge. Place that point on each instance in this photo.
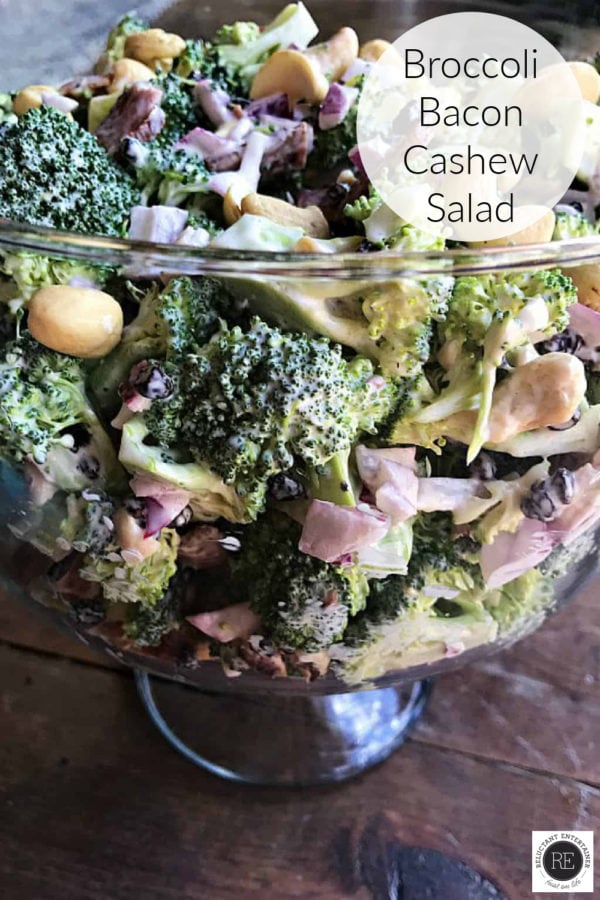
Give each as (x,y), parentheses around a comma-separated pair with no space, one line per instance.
(287,741)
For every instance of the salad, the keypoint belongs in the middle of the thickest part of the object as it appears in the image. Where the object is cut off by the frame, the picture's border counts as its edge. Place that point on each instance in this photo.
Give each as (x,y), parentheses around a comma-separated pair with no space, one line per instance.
(295,476)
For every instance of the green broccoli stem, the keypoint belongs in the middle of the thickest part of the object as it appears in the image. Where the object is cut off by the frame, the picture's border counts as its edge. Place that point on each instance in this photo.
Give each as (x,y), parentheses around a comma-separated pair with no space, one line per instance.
(333,481)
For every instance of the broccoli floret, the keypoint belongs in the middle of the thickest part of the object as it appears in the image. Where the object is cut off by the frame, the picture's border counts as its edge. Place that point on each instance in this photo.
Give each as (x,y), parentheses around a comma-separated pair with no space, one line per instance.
(390,322)
(363,207)
(146,625)
(440,604)
(7,116)
(479,300)
(131,23)
(238,33)
(43,398)
(401,316)
(331,147)
(489,317)
(190,310)
(210,498)
(249,403)
(519,605)
(168,176)
(179,108)
(53,172)
(200,218)
(249,46)
(182,317)
(143,582)
(572,225)
(88,526)
(303,603)
(195,61)
(30,272)
(169,324)
(437,560)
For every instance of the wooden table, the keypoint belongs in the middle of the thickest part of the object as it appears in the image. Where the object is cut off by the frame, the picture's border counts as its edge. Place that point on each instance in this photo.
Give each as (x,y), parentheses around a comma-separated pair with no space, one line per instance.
(96,806)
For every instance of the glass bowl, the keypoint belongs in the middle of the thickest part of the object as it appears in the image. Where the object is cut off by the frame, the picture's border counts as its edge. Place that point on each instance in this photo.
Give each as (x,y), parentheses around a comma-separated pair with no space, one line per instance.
(255,727)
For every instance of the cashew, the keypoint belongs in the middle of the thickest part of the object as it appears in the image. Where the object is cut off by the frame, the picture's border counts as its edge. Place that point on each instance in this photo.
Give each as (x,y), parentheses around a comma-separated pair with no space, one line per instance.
(310,219)
(231,206)
(290,72)
(587,282)
(337,245)
(126,72)
(587,79)
(538,232)
(546,391)
(81,322)
(306,76)
(130,536)
(154,47)
(31,98)
(336,55)
(373,50)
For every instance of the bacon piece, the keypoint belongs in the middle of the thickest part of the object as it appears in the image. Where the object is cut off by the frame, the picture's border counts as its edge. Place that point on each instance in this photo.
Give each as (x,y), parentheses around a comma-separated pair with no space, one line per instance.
(136,114)
(200,547)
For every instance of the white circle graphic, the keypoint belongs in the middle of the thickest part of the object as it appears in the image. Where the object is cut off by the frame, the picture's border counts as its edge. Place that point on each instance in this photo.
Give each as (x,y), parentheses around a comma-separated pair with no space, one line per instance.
(471,126)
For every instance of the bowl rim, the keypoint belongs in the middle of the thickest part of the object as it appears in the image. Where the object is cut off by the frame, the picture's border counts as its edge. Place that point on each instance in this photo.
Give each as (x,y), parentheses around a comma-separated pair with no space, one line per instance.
(379,265)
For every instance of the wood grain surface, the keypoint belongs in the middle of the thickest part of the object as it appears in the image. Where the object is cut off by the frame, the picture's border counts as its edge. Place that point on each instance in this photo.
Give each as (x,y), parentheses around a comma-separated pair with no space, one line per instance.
(96,805)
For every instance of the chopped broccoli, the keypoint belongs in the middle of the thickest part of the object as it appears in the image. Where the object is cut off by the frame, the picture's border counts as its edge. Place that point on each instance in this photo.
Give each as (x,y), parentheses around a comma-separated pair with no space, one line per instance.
(7,116)
(43,397)
(437,560)
(391,322)
(168,176)
(179,108)
(249,403)
(479,300)
(210,498)
(238,33)
(164,174)
(489,317)
(143,582)
(401,316)
(131,23)
(88,526)
(364,206)
(169,324)
(303,603)
(195,61)
(146,625)
(440,605)
(519,605)
(53,172)
(249,46)
(30,272)
(201,218)
(385,229)
(572,225)
(190,310)
(331,147)
(188,313)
